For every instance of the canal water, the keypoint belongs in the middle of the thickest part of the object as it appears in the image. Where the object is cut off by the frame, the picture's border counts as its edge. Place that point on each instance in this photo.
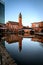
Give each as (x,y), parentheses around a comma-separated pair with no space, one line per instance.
(25,49)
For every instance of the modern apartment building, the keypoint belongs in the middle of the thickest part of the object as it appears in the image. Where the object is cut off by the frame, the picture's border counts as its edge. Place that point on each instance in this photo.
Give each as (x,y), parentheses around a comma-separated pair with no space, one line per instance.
(2,11)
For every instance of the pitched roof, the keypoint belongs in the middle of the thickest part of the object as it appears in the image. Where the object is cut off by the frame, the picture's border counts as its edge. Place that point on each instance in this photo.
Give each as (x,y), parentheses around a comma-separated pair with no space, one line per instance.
(37,22)
(20,16)
(14,23)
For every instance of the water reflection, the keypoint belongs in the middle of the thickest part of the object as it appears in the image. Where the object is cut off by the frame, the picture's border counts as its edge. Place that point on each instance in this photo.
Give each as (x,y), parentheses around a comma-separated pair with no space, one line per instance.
(38,38)
(30,49)
(13,38)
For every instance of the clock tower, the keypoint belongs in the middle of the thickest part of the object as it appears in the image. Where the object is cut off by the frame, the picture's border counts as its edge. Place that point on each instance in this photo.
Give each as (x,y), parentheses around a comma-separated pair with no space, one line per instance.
(20,20)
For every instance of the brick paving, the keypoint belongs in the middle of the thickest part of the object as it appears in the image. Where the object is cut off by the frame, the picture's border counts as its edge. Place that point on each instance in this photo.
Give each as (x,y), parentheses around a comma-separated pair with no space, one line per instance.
(5,58)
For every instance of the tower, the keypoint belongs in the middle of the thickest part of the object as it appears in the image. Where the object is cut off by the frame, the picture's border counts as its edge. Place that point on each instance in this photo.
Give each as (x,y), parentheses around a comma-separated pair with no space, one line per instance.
(20,43)
(20,20)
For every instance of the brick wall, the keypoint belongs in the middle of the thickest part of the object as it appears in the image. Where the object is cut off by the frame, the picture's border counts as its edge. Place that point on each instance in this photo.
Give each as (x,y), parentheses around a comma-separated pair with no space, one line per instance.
(38,27)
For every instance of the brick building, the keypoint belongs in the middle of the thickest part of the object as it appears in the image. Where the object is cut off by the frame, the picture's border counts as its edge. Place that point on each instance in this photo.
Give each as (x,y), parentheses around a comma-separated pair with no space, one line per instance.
(14,26)
(38,27)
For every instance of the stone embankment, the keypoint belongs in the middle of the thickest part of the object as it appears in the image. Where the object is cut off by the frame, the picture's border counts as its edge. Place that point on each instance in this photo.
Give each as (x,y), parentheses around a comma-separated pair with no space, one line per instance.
(5,58)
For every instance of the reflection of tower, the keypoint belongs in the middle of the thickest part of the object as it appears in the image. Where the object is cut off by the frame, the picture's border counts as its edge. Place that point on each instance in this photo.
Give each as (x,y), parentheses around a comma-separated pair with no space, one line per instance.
(20,44)
(2,12)
(20,20)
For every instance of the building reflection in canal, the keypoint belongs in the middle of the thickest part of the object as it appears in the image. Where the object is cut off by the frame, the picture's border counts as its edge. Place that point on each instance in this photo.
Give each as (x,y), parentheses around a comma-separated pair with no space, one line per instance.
(38,39)
(13,38)
(29,47)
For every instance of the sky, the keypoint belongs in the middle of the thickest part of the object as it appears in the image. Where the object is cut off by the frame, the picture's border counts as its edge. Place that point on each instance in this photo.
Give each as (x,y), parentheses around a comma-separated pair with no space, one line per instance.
(31,10)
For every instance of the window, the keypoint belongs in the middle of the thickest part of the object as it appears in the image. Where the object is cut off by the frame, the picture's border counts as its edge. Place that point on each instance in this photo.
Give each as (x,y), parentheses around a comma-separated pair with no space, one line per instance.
(37,25)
